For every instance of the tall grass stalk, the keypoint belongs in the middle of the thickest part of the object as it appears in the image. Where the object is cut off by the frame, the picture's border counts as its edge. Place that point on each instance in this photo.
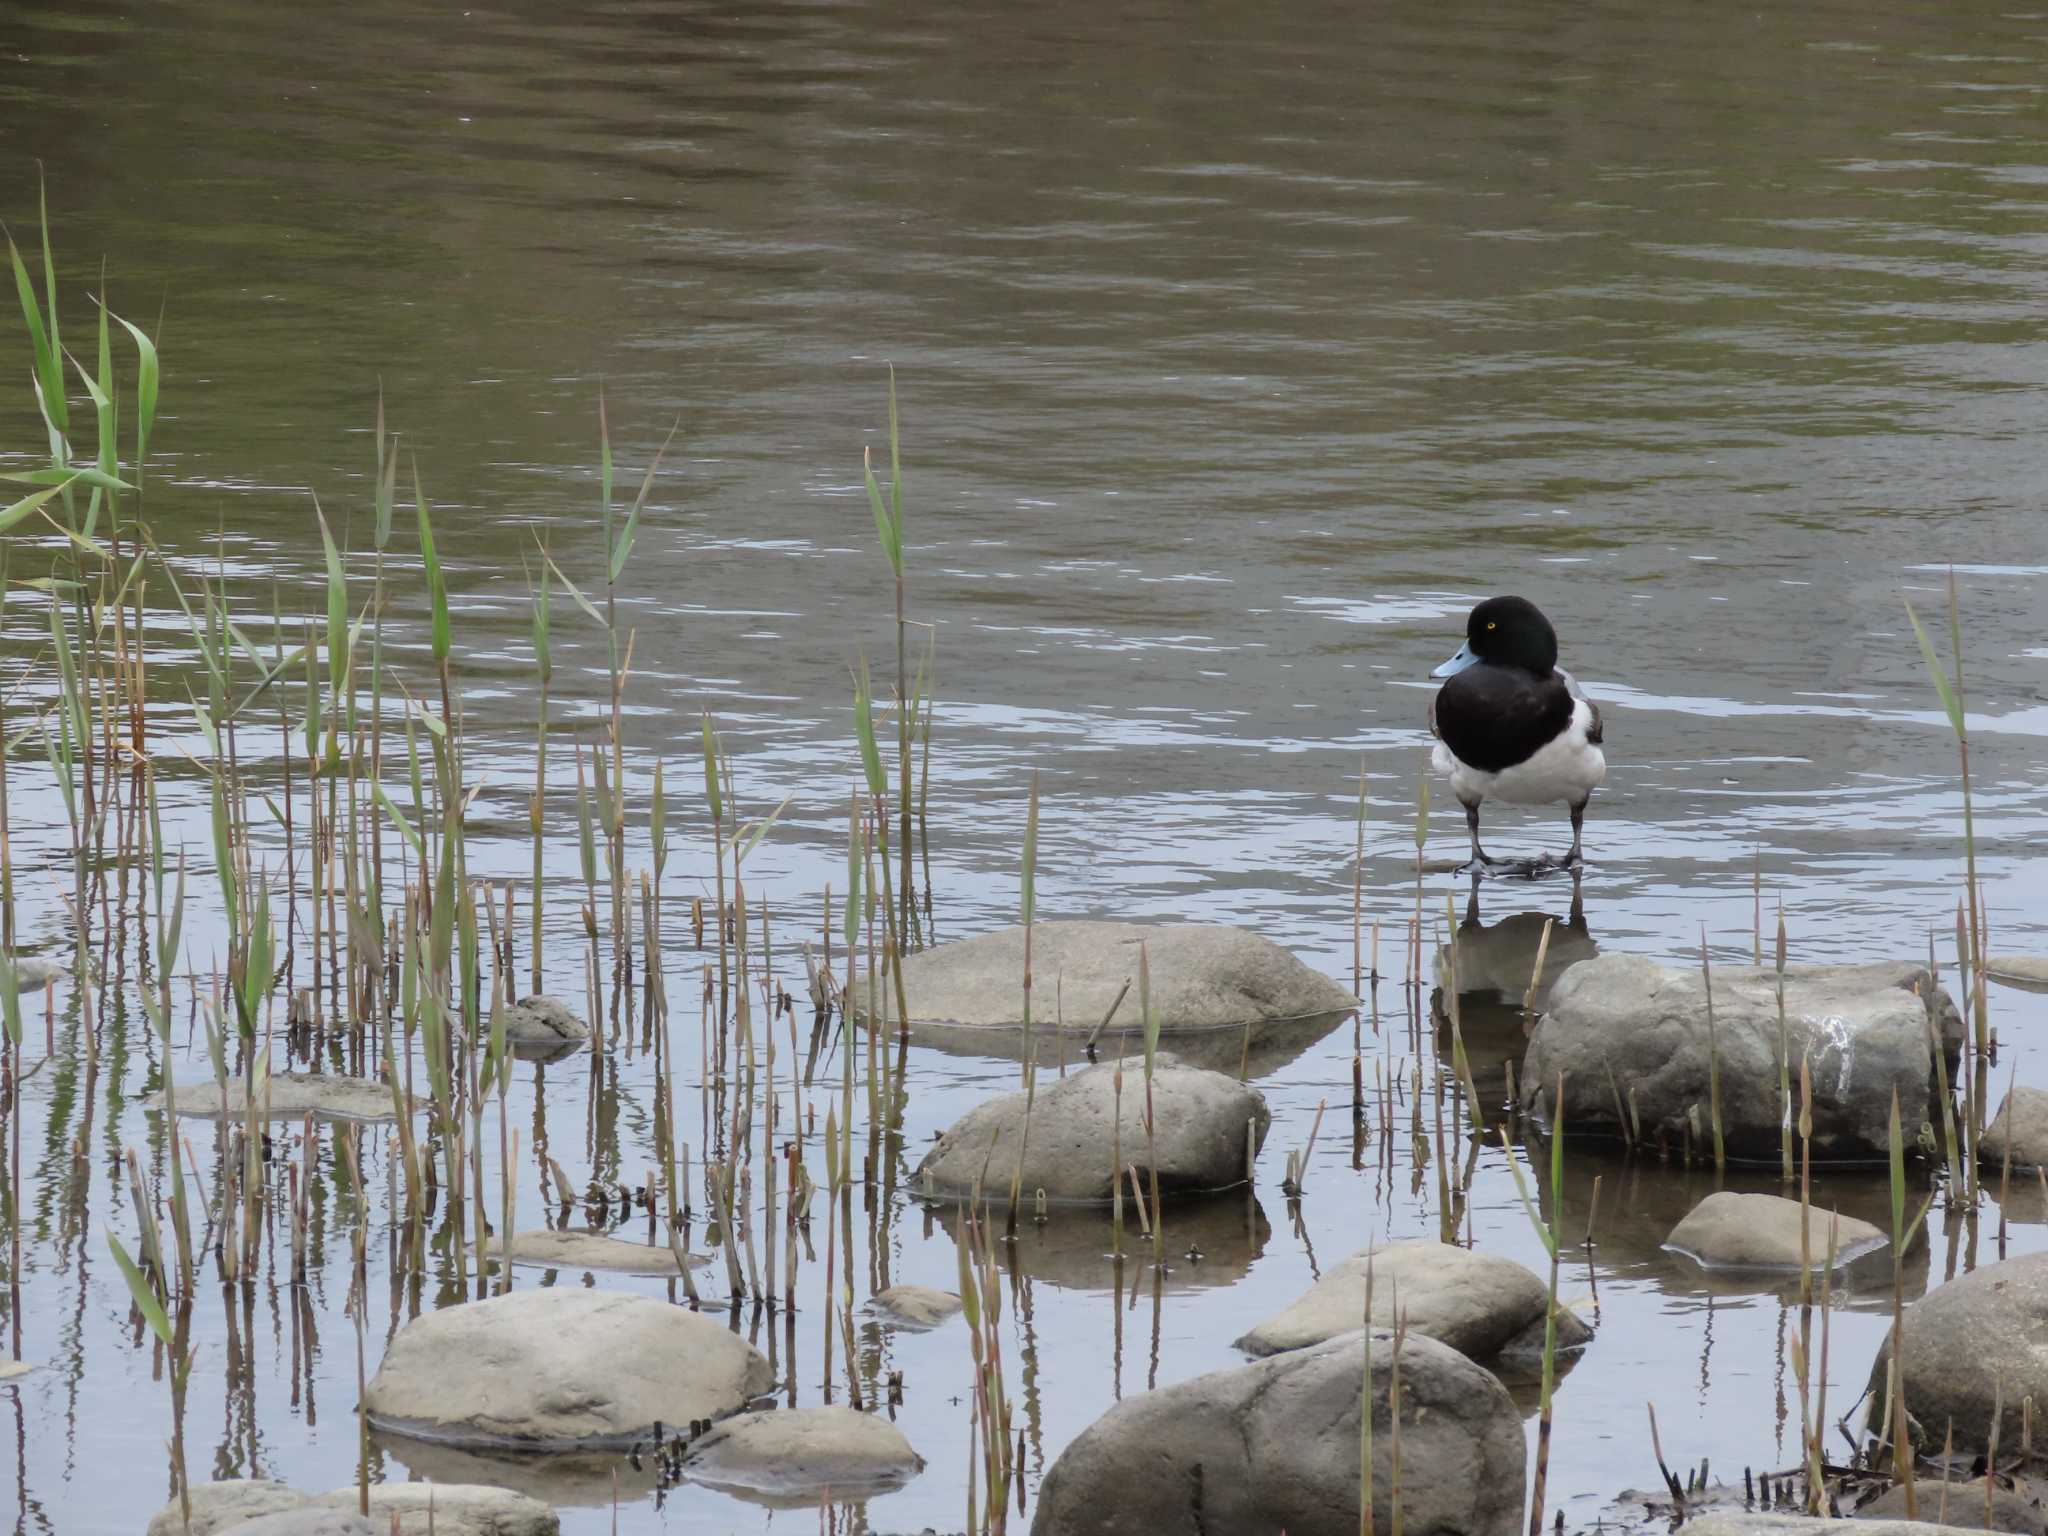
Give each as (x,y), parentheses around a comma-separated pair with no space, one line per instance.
(1952,703)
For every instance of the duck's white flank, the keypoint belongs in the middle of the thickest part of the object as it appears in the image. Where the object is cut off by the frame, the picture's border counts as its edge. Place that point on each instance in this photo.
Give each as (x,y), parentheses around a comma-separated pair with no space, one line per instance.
(1568,767)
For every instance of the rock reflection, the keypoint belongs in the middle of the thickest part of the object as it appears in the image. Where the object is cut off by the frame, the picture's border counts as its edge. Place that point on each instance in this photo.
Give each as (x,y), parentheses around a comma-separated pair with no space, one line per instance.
(1269,1046)
(1495,967)
(1211,1241)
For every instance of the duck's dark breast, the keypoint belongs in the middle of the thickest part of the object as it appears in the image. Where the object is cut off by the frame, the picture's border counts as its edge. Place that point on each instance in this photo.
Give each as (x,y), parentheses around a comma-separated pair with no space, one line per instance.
(1495,717)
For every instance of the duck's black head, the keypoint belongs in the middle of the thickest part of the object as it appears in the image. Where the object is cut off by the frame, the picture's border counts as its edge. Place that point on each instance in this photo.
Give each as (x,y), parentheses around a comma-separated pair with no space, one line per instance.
(1507,632)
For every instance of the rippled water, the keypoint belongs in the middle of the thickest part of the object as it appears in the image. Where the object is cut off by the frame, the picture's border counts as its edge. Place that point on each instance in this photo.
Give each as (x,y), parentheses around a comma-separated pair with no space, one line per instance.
(1238,355)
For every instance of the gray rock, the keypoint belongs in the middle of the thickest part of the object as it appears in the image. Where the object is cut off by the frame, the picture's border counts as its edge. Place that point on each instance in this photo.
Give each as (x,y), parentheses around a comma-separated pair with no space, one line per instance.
(1732,1231)
(1624,1030)
(34,972)
(312,1520)
(2017,1508)
(1746,1523)
(1076,1133)
(592,1252)
(293,1096)
(233,1501)
(2028,971)
(1203,977)
(544,1022)
(560,1369)
(2021,1126)
(800,1453)
(1479,1304)
(916,1306)
(1968,1345)
(1274,1446)
(457,1509)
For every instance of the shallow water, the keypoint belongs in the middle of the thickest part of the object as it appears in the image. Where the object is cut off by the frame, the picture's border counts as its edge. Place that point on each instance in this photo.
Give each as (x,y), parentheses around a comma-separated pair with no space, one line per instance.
(1236,360)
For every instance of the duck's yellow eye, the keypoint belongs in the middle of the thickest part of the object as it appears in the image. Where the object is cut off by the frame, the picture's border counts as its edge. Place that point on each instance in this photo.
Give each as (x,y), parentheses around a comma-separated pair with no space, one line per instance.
(1491,625)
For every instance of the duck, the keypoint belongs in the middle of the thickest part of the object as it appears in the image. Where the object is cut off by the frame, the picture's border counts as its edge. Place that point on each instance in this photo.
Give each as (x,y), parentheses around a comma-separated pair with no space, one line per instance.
(1512,725)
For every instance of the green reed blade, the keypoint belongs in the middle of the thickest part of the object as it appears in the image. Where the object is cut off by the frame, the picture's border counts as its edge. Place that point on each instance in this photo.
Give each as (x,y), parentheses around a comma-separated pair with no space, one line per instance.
(49,368)
(1543,1231)
(864,729)
(10,998)
(386,484)
(1030,903)
(657,823)
(752,835)
(437,589)
(337,605)
(1897,1149)
(712,797)
(148,377)
(398,820)
(543,652)
(144,1295)
(623,549)
(1949,702)
(30,504)
(887,528)
(854,865)
(576,592)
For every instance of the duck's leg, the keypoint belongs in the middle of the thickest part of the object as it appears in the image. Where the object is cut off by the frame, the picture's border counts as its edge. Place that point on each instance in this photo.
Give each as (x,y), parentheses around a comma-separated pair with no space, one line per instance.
(1573,859)
(1480,860)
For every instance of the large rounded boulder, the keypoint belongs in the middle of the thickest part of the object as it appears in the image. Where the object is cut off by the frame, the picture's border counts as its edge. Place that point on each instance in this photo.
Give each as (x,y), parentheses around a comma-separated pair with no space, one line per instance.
(1638,1049)
(1973,1349)
(1275,1446)
(560,1370)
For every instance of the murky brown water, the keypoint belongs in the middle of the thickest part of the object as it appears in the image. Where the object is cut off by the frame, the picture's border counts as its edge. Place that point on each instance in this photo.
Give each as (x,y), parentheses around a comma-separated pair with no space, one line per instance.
(1237,357)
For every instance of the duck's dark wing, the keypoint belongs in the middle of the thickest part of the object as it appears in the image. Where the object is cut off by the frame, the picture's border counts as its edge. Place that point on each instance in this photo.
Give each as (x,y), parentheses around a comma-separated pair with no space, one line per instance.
(1494,717)
(1595,733)
(1439,735)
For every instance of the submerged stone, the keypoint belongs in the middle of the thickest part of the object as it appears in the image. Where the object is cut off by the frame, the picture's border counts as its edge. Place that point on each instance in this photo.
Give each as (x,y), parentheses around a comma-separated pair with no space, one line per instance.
(578,1249)
(1081,1137)
(2030,971)
(540,1022)
(916,1306)
(293,1096)
(230,1502)
(1637,1050)
(802,1453)
(560,1369)
(1733,1231)
(1203,976)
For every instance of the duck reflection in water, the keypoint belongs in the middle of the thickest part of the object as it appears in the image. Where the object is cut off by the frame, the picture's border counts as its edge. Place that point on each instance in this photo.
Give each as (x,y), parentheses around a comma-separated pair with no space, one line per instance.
(1499,989)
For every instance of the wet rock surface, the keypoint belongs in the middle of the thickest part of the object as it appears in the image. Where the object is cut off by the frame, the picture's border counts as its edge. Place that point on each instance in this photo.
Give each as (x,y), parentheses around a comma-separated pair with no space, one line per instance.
(916,1306)
(233,1501)
(560,1369)
(577,1248)
(1754,1231)
(803,1453)
(1972,1348)
(2030,971)
(1741,1523)
(1632,1040)
(1203,976)
(543,1022)
(1478,1304)
(1081,1136)
(455,1509)
(312,1520)
(2018,1130)
(2015,1508)
(1275,1446)
(292,1096)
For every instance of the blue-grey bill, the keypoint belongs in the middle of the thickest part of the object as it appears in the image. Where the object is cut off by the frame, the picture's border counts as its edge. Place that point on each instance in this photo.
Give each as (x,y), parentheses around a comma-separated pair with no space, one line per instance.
(1457,663)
